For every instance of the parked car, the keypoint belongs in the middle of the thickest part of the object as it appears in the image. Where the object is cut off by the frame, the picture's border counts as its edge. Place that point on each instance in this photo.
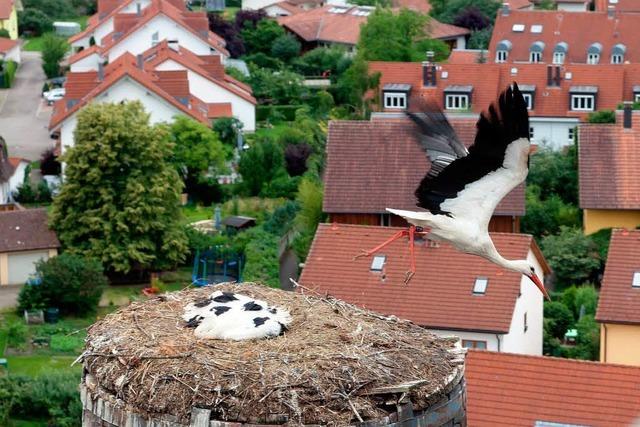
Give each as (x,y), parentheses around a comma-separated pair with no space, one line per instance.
(54,95)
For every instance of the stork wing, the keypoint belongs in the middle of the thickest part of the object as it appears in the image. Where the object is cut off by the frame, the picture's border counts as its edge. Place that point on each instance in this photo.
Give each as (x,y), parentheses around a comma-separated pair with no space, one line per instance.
(473,185)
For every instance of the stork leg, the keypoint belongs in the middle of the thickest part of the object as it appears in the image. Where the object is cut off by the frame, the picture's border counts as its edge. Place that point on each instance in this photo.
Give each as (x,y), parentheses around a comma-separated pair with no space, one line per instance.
(387,242)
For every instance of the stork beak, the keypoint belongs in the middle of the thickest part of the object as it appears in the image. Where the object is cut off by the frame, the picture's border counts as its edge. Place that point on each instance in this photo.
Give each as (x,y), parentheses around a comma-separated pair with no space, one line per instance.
(536,280)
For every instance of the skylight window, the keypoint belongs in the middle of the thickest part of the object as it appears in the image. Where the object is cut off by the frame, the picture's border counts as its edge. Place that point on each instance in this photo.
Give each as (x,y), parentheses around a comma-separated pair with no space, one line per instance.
(480,285)
(518,28)
(378,262)
(635,283)
(537,29)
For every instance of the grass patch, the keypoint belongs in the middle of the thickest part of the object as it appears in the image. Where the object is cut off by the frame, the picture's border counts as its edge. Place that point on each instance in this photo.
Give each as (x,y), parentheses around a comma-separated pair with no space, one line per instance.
(33,44)
(34,366)
(193,213)
(27,423)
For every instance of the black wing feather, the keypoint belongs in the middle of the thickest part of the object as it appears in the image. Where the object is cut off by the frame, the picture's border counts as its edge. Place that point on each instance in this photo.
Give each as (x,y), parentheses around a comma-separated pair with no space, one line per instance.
(496,129)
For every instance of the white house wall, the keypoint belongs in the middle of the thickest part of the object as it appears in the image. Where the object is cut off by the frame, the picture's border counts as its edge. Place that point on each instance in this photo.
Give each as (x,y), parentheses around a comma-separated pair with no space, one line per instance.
(553,132)
(98,34)
(140,41)
(256,4)
(572,7)
(530,302)
(13,54)
(490,339)
(17,178)
(89,63)
(210,92)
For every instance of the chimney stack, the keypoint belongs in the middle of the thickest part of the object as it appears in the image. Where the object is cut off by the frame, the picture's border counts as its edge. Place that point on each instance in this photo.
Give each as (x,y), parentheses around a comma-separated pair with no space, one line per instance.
(505,9)
(627,118)
(100,71)
(429,70)
(138,9)
(139,61)
(611,11)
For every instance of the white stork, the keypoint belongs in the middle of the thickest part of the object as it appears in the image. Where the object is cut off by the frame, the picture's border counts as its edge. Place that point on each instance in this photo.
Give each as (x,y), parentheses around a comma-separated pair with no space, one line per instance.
(463,187)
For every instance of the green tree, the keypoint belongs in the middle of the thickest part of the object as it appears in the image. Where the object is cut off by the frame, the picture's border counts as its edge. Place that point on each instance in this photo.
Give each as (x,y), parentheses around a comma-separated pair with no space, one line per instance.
(4,33)
(586,296)
(197,150)
(262,37)
(602,116)
(55,9)
(260,164)
(559,318)
(588,339)
(480,39)
(354,83)
(309,199)
(285,48)
(34,22)
(54,48)
(447,10)
(119,200)
(545,217)
(556,172)
(69,282)
(322,60)
(282,87)
(228,129)
(572,256)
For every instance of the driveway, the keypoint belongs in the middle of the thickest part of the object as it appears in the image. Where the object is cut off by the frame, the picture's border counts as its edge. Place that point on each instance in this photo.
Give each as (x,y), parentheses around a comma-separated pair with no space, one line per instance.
(24,118)
(9,296)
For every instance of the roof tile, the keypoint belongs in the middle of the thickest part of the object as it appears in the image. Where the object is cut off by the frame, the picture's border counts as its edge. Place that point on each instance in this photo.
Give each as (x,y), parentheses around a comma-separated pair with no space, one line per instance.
(27,229)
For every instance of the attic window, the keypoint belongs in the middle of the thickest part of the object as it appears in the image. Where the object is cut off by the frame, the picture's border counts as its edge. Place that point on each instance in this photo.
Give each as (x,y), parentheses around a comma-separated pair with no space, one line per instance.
(635,282)
(537,29)
(378,262)
(480,285)
(338,10)
(518,28)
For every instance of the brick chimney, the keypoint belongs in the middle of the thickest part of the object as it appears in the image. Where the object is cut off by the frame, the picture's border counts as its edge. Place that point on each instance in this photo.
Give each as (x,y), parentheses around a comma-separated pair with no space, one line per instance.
(505,9)
(429,70)
(611,11)
(627,115)
(100,71)
(139,61)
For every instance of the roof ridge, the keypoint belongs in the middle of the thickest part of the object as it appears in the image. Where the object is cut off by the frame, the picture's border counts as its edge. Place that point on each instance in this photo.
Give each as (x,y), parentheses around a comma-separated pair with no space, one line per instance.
(552,358)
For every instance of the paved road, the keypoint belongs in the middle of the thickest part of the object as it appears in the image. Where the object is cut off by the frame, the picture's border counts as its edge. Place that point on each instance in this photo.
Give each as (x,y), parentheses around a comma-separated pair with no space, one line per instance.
(23,116)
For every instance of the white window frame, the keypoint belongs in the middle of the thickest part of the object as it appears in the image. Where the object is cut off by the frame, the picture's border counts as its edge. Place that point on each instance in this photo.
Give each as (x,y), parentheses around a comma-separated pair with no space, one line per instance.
(558,58)
(480,285)
(535,57)
(571,133)
(456,101)
(583,102)
(532,133)
(395,100)
(378,262)
(501,56)
(593,58)
(635,279)
(617,58)
(528,98)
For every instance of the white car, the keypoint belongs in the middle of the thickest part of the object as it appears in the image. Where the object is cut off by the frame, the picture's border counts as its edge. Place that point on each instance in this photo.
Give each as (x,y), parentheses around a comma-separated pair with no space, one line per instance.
(54,95)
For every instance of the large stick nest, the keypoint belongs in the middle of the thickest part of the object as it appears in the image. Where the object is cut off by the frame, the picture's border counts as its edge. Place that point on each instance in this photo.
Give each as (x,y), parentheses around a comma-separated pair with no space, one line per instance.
(321,371)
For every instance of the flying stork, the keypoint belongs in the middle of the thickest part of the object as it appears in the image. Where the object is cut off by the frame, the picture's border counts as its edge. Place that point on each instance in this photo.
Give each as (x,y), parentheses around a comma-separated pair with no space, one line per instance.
(463,187)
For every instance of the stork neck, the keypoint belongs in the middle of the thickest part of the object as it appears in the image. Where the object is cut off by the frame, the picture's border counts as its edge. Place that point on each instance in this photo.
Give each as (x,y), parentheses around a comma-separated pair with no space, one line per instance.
(494,256)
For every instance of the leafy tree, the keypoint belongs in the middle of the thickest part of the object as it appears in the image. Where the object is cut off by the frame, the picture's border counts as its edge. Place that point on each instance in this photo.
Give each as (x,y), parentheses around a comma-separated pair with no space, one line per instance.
(283,87)
(572,256)
(197,150)
(55,9)
(229,32)
(545,217)
(54,49)
(354,83)
(448,10)
(249,18)
(261,255)
(119,200)
(602,116)
(480,39)
(588,339)
(228,129)
(327,61)
(282,218)
(262,37)
(295,157)
(69,282)
(259,165)
(556,172)
(586,301)
(310,215)
(559,318)
(472,18)
(285,48)
(547,5)
(262,60)
(34,21)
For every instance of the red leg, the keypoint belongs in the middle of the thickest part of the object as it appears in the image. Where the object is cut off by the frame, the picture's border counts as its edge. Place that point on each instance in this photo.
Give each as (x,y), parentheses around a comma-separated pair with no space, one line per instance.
(392,239)
(412,256)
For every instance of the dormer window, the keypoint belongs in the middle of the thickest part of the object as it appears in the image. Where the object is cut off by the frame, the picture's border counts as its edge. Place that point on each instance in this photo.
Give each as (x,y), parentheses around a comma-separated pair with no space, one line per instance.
(480,285)
(583,98)
(560,53)
(617,53)
(558,58)
(502,50)
(535,52)
(457,97)
(593,53)
(395,96)
(528,93)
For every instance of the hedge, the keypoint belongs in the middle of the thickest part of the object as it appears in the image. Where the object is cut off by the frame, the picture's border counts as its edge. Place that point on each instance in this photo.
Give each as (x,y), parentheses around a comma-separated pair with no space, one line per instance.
(8,74)
(288,112)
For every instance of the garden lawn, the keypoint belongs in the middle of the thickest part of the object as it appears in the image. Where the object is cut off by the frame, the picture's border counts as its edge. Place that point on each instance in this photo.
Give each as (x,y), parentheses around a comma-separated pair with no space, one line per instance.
(33,366)
(33,44)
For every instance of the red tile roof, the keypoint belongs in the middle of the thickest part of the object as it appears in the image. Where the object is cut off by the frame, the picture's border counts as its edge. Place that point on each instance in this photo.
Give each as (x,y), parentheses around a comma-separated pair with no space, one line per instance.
(322,25)
(288,6)
(567,27)
(615,83)
(418,5)
(619,6)
(217,110)
(24,230)
(383,157)
(608,158)
(619,302)
(439,295)
(465,56)
(519,4)
(516,390)
(84,53)
(7,44)
(6,7)
(15,161)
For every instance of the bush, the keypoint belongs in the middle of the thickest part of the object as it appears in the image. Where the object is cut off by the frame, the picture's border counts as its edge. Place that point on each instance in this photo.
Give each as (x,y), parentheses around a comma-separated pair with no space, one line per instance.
(8,73)
(558,318)
(295,157)
(53,50)
(69,282)
(604,116)
(17,333)
(281,186)
(266,112)
(588,340)
(282,218)
(4,34)
(572,256)
(285,48)
(49,164)
(34,22)
(261,258)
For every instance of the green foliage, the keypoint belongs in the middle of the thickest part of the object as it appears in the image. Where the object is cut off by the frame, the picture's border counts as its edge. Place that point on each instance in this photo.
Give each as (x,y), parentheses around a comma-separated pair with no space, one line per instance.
(227,129)
(585,301)
(588,340)
(17,333)
(572,256)
(282,185)
(447,10)
(282,87)
(8,72)
(285,48)
(34,21)
(197,150)
(282,219)
(262,60)
(480,39)
(262,37)
(602,238)
(547,5)
(92,41)
(66,343)
(260,164)
(354,83)
(322,60)
(558,318)
(119,200)
(309,198)
(55,9)
(4,33)
(53,396)
(261,258)
(602,116)
(69,282)
(545,217)
(54,49)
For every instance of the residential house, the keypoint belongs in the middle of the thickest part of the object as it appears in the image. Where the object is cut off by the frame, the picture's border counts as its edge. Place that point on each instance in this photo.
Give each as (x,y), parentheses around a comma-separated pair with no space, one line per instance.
(9,50)
(617,5)
(608,155)
(124,30)
(559,37)
(206,75)
(9,17)
(163,93)
(573,5)
(559,97)
(619,303)
(451,293)
(12,173)
(282,8)
(518,390)
(377,164)
(340,25)
(25,238)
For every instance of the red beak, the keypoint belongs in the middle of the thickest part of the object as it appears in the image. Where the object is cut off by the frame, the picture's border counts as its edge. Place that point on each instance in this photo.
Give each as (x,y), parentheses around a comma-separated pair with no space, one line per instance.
(535,279)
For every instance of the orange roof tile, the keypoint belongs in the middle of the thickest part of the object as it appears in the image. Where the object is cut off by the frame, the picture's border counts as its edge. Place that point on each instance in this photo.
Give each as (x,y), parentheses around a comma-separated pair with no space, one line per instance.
(384,157)
(608,158)
(15,161)
(619,5)
(619,302)
(6,7)
(516,390)
(289,7)
(84,53)
(440,30)
(220,109)
(465,56)
(7,44)
(567,27)
(418,5)
(440,295)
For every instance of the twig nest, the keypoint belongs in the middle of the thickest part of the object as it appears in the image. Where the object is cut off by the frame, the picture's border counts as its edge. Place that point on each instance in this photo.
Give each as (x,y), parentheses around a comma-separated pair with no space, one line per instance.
(323,366)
